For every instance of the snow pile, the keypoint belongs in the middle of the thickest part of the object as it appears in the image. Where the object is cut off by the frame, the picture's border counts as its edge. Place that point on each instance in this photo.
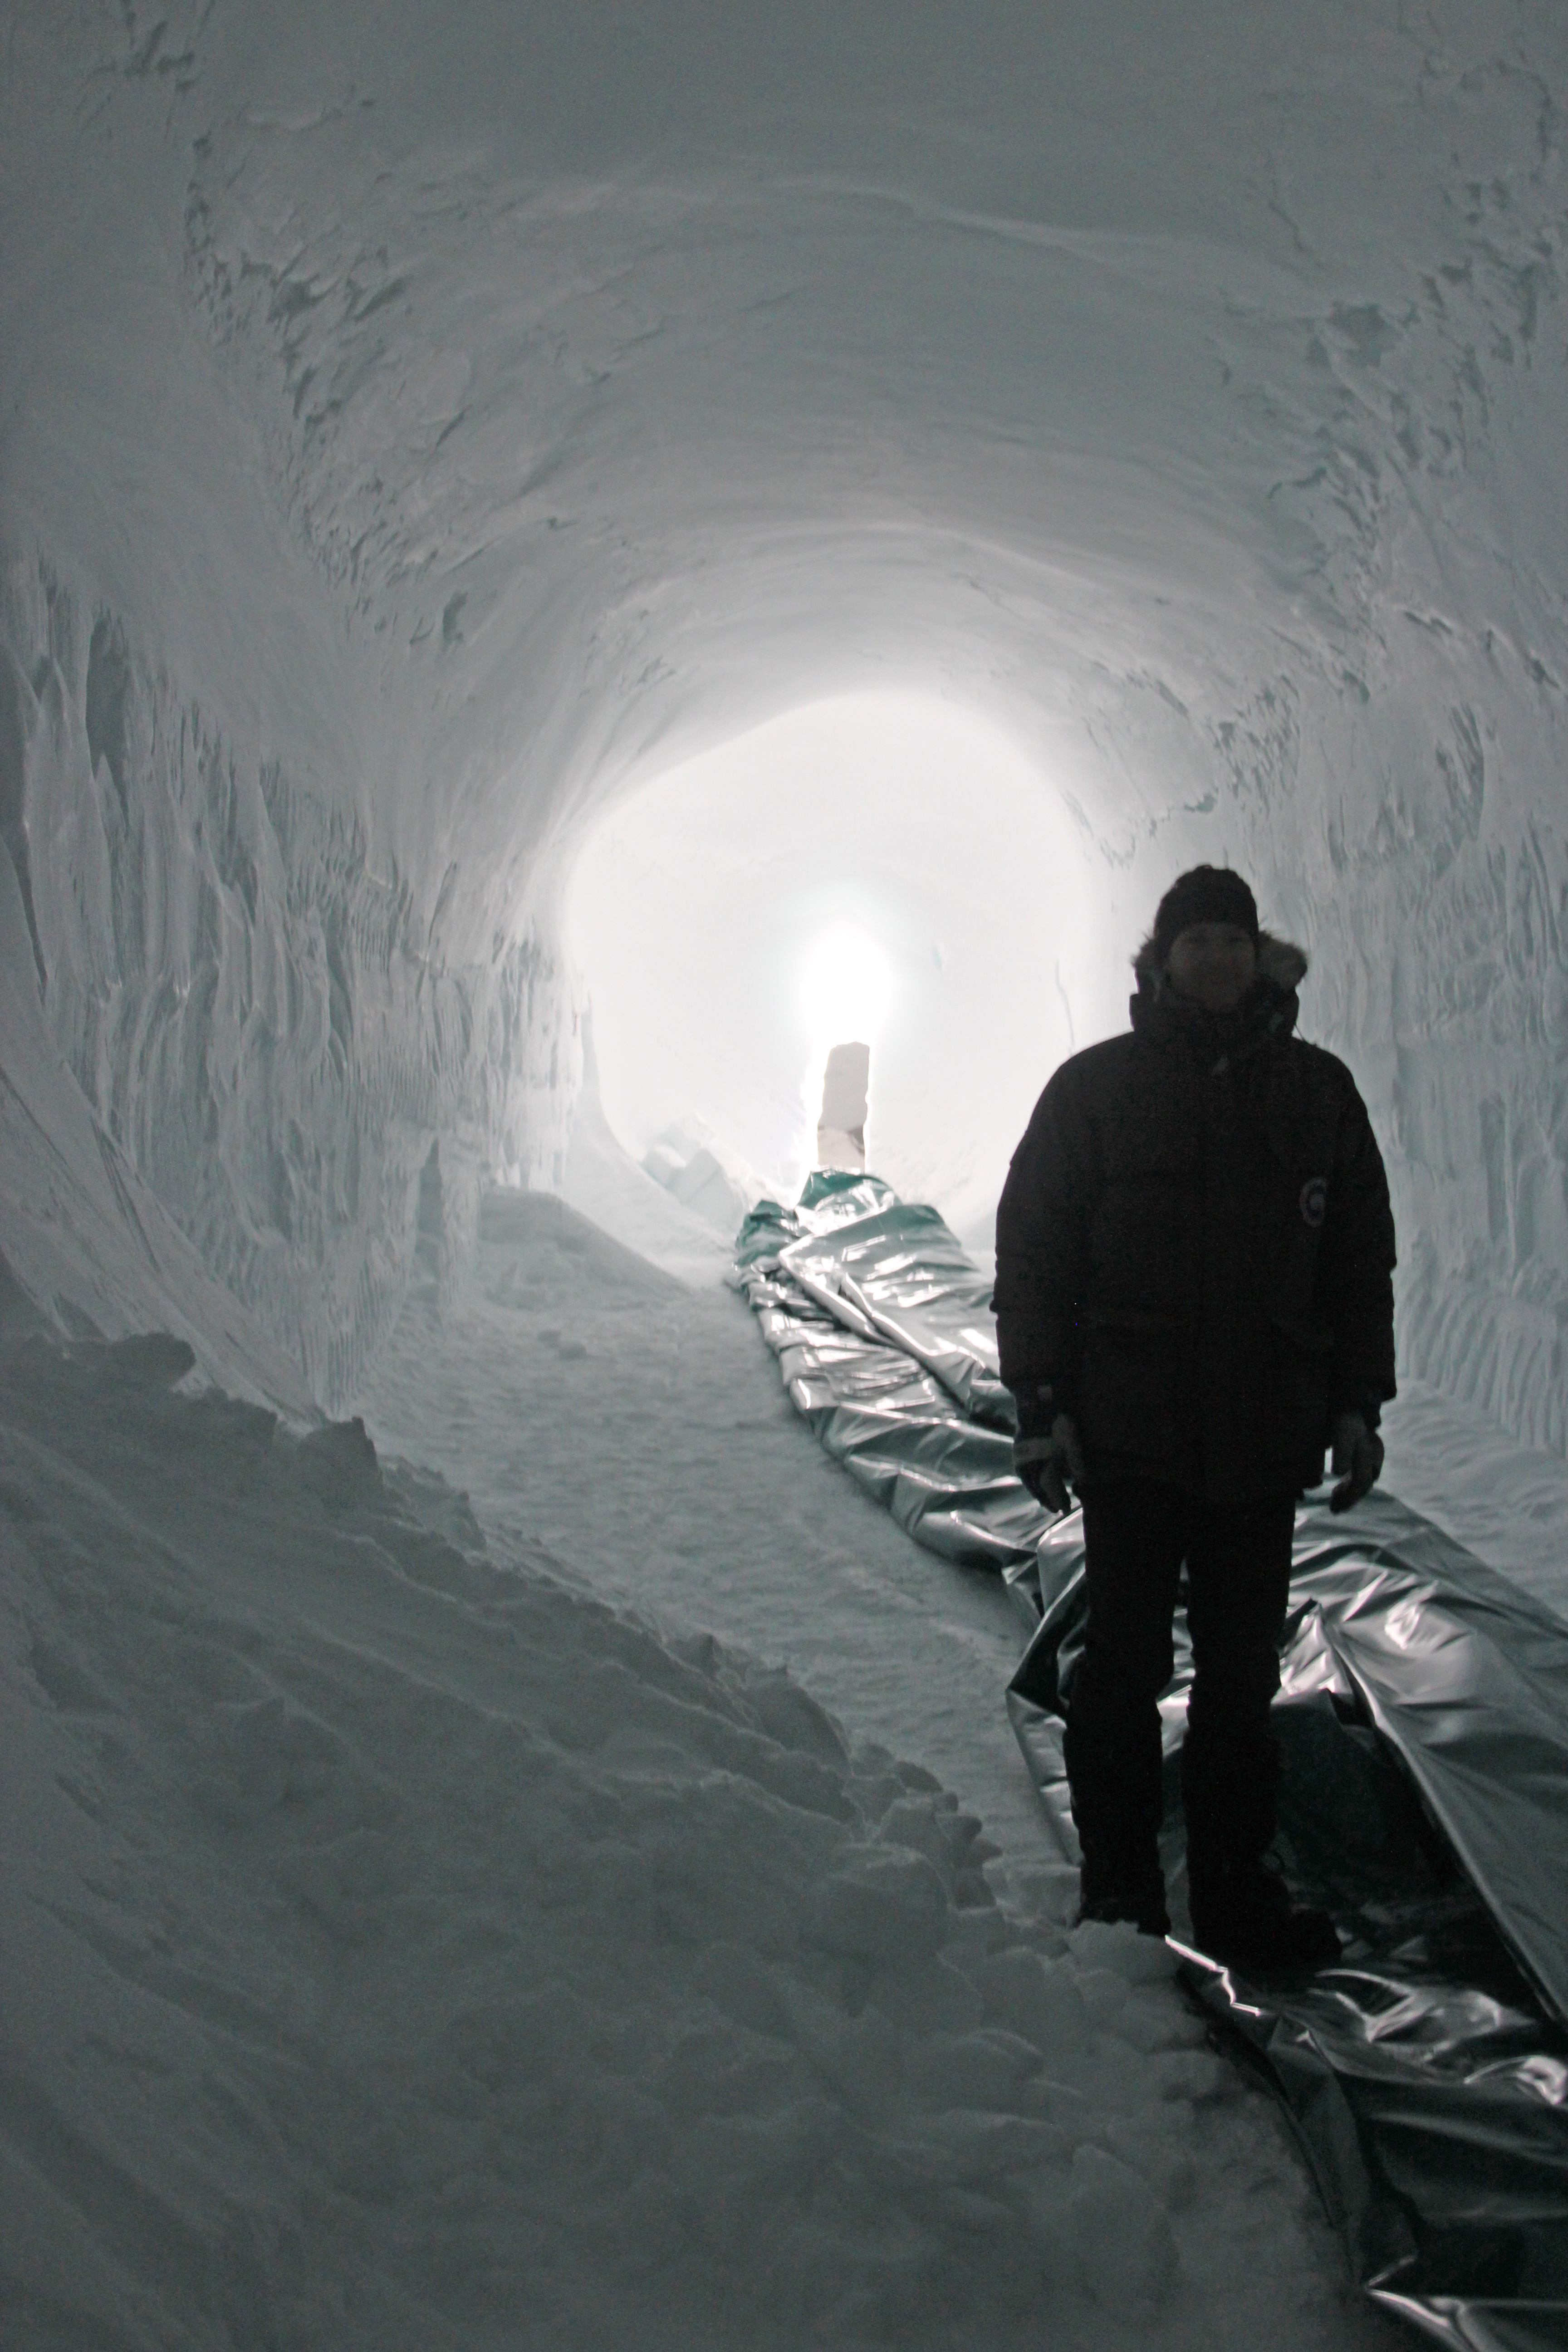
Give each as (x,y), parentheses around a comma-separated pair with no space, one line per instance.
(402,1948)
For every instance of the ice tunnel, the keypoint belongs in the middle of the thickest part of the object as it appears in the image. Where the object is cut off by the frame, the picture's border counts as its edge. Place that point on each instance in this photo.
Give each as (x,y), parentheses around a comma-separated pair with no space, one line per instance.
(424,427)
(571,570)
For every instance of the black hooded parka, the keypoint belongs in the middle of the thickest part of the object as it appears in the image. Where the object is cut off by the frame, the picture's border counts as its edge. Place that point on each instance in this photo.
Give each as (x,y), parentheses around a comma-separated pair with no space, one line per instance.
(1194,1246)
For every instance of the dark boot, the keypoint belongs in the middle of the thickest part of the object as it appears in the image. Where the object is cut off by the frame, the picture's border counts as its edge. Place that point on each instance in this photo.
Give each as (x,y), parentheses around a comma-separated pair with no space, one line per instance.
(1116,1889)
(1243,1914)
(1240,1907)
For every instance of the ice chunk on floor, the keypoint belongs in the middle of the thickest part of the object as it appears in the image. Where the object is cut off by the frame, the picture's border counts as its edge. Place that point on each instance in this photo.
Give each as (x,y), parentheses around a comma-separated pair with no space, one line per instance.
(692,1163)
(605,1183)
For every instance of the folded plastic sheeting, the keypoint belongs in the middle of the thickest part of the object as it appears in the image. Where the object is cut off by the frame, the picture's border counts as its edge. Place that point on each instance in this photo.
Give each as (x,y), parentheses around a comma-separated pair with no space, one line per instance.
(886,1344)
(1424,1723)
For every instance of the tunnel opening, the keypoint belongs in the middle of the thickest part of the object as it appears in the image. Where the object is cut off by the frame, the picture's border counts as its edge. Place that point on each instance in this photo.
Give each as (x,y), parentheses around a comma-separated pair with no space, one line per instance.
(877,896)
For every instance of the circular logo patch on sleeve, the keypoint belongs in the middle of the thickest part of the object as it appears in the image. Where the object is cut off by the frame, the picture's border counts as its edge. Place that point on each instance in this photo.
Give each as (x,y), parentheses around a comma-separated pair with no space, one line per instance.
(1314,1201)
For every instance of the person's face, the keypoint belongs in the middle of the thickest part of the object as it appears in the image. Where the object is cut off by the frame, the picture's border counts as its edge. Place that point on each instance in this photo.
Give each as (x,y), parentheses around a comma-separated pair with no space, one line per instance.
(1214,964)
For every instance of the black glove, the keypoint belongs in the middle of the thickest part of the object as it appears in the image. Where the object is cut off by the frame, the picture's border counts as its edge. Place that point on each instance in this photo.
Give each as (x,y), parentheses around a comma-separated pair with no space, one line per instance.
(1047,1453)
(1357,1458)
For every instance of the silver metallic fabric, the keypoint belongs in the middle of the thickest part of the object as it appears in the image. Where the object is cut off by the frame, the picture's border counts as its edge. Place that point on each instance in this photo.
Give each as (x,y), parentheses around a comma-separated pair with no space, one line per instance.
(1423,1720)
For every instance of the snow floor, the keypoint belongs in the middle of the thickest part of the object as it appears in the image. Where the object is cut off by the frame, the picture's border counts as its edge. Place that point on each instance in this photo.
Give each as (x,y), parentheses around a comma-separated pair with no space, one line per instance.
(1506,1503)
(444,1926)
(620,1411)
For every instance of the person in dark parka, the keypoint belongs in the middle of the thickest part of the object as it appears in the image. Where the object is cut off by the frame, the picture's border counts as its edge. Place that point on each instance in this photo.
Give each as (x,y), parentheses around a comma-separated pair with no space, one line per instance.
(1193,1302)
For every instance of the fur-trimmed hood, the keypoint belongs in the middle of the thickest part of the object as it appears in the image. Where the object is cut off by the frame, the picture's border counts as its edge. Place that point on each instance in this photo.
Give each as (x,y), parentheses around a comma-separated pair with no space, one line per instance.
(1281,962)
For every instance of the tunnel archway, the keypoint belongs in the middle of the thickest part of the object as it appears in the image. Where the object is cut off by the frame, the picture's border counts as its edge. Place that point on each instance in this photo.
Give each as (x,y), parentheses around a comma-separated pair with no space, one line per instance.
(430,427)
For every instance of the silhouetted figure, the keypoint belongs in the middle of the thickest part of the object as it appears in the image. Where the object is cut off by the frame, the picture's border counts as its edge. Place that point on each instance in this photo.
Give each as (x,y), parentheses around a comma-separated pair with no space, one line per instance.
(1194,1301)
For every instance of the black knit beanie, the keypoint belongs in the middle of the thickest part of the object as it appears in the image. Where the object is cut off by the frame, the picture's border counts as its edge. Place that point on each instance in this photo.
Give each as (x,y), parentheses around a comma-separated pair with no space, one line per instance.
(1209,894)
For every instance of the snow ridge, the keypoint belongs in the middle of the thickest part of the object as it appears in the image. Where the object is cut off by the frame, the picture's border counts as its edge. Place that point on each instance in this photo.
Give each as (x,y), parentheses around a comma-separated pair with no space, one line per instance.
(402,1949)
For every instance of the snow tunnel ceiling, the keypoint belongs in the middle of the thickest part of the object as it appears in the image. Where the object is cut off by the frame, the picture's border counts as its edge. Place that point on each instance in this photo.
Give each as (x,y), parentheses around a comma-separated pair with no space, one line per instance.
(472,408)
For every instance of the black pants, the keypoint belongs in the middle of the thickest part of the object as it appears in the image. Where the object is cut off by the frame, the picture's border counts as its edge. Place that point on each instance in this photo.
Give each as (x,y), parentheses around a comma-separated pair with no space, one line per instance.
(1137,1536)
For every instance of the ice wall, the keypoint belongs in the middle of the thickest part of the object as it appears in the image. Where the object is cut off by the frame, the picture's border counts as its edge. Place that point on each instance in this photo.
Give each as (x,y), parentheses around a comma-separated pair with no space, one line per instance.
(263,1023)
(436,419)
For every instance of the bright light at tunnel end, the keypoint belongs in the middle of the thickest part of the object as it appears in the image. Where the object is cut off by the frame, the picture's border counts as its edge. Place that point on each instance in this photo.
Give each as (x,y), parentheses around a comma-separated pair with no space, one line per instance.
(728,957)
(846,987)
